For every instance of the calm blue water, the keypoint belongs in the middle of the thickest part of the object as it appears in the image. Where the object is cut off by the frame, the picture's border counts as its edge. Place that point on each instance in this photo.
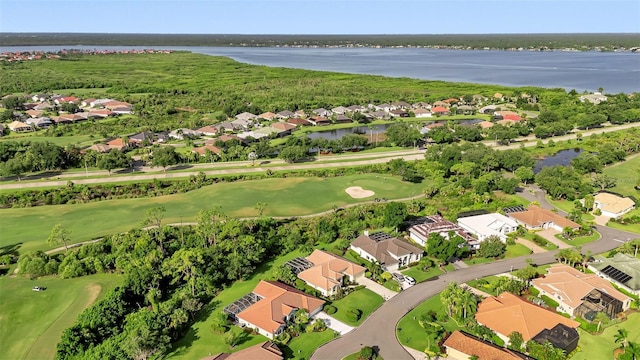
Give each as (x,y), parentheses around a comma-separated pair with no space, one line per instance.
(615,72)
(562,157)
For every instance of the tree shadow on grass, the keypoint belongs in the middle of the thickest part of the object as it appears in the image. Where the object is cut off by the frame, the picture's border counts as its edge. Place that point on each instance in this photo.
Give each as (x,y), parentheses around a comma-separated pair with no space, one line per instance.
(184,343)
(10,249)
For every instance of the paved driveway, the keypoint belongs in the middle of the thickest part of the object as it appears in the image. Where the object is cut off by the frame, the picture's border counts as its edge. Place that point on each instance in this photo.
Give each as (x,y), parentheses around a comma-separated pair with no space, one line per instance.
(377,288)
(332,323)
(550,235)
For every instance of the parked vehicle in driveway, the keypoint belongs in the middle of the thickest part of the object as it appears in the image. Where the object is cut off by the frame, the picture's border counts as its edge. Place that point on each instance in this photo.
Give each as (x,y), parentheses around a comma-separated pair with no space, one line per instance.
(398,277)
(410,280)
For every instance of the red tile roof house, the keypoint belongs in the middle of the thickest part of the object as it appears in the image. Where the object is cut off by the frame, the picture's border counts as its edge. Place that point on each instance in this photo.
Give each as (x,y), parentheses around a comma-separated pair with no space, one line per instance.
(299,122)
(328,272)
(507,313)
(579,293)
(319,121)
(202,151)
(265,351)
(461,346)
(267,116)
(208,130)
(537,218)
(439,110)
(271,306)
(390,252)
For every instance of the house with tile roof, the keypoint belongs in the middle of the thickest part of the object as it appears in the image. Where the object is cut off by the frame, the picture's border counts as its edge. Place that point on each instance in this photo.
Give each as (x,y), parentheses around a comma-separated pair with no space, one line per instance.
(285,114)
(440,110)
(319,121)
(322,112)
(202,151)
(298,122)
(327,272)
(422,113)
(208,130)
(390,252)
(267,116)
(622,269)
(41,122)
(612,205)
(437,224)
(461,346)
(507,313)
(580,294)
(19,126)
(271,306)
(246,116)
(485,225)
(537,218)
(265,351)
(340,110)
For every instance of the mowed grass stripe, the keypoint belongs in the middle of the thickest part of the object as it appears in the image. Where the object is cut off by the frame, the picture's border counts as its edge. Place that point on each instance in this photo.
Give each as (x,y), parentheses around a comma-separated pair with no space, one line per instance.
(31,323)
(284,197)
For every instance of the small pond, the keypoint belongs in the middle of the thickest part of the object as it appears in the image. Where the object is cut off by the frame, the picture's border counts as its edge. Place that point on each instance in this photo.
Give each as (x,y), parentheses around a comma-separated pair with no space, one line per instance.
(562,157)
(339,133)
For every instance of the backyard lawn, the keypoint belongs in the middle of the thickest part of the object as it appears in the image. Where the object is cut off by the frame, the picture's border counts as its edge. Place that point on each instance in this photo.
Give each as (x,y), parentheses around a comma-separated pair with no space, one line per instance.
(200,341)
(364,299)
(602,346)
(32,322)
(284,197)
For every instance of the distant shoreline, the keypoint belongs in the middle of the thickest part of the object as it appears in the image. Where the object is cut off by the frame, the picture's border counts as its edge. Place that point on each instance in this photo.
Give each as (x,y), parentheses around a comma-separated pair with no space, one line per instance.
(506,42)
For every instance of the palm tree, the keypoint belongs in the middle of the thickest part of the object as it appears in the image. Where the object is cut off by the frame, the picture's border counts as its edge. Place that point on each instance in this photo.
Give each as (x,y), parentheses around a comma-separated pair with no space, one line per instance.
(622,337)
(468,303)
(634,349)
(600,318)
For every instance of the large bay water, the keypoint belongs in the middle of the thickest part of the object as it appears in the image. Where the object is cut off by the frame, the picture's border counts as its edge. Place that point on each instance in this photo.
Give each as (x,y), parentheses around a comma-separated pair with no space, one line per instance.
(613,71)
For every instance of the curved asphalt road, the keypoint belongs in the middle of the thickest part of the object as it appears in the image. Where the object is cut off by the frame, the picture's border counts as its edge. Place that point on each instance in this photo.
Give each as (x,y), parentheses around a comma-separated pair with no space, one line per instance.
(379,329)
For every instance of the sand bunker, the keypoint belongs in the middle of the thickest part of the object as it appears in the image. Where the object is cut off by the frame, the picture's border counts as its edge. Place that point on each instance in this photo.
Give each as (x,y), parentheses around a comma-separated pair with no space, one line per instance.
(357,192)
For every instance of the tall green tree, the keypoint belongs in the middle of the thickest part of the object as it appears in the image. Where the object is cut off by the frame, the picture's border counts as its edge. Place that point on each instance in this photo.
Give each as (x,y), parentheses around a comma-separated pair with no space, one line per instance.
(59,235)
(164,157)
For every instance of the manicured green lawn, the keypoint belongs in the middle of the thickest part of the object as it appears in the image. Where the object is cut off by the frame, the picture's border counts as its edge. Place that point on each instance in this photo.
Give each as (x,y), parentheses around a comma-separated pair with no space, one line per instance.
(284,197)
(409,331)
(31,322)
(626,227)
(355,355)
(420,276)
(364,299)
(626,175)
(580,240)
(304,345)
(61,141)
(517,250)
(482,286)
(200,341)
(602,346)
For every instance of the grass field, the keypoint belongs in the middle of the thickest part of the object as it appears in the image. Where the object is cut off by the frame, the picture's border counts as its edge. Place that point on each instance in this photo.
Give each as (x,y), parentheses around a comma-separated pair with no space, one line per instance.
(284,197)
(31,322)
(580,240)
(61,141)
(626,175)
(602,346)
(419,275)
(365,300)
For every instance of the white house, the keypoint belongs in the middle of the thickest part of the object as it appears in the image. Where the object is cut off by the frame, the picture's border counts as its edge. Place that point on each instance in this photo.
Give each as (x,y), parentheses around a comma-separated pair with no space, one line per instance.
(483,226)
(611,205)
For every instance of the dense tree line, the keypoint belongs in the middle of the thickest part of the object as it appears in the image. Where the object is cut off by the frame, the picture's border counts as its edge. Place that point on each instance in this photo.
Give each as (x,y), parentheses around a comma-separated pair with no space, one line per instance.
(480,41)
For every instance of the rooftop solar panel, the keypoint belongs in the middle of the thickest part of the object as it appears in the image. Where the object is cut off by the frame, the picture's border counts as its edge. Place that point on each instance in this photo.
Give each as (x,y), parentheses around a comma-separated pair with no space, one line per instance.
(616,274)
(380,236)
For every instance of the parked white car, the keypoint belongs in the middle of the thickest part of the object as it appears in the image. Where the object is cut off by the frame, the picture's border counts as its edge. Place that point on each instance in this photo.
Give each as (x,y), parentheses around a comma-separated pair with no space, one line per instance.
(410,280)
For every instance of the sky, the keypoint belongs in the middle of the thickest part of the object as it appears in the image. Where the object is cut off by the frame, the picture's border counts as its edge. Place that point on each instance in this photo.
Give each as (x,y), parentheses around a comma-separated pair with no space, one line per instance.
(320,16)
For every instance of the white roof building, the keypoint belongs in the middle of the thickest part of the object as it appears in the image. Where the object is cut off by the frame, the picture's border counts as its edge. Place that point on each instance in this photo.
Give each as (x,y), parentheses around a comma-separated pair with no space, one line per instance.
(486,225)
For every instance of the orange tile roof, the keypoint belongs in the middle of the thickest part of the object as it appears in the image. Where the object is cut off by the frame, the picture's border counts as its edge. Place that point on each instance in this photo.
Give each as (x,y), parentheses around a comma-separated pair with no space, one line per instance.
(278,300)
(283,126)
(470,345)
(265,351)
(572,285)
(439,109)
(268,115)
(203,149)
(535,216)
(486,124)
(328,270)
(506,313)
